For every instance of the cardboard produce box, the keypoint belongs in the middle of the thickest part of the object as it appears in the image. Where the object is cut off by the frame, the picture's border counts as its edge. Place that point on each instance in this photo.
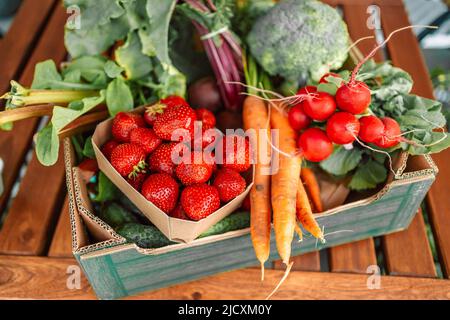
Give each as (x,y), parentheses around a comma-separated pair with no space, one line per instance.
(174,229)
(117,269)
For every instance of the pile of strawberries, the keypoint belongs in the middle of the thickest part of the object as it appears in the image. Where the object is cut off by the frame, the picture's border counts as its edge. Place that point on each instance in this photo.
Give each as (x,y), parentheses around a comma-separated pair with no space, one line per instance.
(344,116)
(143,148)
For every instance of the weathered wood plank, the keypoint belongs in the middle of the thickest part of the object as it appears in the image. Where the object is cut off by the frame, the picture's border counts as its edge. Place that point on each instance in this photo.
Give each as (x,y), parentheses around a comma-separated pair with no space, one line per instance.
(439,210)
(305,262)
(408,252)
(20,39)
(421,261)
(356,257)
(353,257)
(32,215)
(61,246)
(50,46)
(46,278)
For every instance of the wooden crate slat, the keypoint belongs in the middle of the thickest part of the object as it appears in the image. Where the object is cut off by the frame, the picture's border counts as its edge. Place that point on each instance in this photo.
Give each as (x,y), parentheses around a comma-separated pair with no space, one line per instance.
(305,262)
(420,260)
(50,46)
(15,46)
(61,245)
(46,278)
(408,252)
(357,256)
(439,210)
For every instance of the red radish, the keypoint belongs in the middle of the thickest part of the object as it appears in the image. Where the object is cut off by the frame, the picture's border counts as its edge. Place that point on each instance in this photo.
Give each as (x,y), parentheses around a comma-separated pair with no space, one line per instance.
(298,118)
(342,128)
(315,145)
(371,129)
(307,90)
(325,76)
(320,106)
(391,135)
(353,97)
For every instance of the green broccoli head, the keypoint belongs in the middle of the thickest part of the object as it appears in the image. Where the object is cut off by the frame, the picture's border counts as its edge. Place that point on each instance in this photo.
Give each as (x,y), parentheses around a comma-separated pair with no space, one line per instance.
(298,39)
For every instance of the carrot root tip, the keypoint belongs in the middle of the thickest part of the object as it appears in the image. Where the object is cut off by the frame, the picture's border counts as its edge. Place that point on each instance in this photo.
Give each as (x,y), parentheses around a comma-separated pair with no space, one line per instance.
(262,271)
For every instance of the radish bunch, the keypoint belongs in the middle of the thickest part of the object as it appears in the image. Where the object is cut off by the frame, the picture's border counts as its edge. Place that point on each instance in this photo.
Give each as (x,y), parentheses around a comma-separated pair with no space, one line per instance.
(344,117)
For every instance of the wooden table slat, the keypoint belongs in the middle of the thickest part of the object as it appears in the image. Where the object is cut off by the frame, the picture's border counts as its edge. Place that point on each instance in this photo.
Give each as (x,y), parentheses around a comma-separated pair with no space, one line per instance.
(408,252)
(20,39)
(61,245)
(50,46)
(47,278)
(439,210)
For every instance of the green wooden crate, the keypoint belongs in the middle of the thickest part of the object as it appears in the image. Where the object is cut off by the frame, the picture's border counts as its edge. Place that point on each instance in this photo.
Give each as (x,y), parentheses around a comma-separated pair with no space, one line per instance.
(116,269)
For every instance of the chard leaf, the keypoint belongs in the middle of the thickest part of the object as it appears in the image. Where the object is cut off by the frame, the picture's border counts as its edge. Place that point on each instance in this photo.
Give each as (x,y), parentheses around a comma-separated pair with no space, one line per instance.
(45,75)
(160,13)
(342,161)
(112,70)
(119,97)
(47,146)
(107,191)
(368,176)
(132,60)
(88,150)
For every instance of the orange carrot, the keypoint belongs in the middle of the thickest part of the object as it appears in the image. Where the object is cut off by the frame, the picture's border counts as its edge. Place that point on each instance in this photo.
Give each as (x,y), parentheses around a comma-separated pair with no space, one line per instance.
(305,215)
(284,184)
(312,187)
(256,117)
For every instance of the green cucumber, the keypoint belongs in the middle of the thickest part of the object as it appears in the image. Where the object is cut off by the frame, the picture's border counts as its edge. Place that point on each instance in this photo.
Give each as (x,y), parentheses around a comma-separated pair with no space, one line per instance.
(235,221)
(115,215)
(144,236)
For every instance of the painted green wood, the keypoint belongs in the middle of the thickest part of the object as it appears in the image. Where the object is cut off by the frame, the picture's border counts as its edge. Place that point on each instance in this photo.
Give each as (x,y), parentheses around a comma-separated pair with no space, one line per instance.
(129,272)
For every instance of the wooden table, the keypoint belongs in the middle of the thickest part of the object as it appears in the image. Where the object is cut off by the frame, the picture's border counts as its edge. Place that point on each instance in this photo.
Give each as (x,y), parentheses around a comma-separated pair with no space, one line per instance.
(35,241)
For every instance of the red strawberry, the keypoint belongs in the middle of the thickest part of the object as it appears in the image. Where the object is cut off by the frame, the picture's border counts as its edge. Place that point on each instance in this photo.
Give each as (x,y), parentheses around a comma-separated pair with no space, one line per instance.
(108,148)
(229,183)
(179,213)
(161,159)
(200,200)
(124,123)
(90,165)
(206,117)
(178,117)
(154,111)
(198,171)
(162,190)
(238,160)
(146,138)
(137,180)
(128,159)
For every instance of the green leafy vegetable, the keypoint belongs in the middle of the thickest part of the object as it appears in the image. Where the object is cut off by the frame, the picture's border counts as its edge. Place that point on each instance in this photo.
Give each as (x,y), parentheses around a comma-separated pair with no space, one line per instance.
(368,176)
(88,150)
(107,191)
(119,97)
(342,161)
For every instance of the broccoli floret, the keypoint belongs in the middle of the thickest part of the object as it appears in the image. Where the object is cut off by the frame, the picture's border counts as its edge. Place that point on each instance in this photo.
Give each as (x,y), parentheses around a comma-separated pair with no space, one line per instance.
(297,39)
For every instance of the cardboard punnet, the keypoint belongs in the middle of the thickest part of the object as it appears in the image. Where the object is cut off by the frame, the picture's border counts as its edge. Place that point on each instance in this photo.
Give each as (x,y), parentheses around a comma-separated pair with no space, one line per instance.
(175,229)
